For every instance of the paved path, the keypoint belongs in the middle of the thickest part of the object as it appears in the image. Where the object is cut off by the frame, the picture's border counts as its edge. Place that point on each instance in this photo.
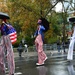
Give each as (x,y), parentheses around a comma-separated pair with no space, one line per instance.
(48,52)
(27,66)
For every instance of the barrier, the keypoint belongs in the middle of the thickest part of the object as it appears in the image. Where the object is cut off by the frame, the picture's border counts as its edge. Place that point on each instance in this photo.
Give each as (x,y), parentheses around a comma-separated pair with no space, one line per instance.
(48,47)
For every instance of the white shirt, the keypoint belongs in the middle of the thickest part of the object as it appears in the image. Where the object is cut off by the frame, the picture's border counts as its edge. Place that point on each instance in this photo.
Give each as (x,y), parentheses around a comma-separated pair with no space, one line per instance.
(25,45)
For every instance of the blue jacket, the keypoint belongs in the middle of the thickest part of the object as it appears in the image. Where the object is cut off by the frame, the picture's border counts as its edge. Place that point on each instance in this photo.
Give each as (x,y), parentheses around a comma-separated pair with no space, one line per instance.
(4,29)
(40,31)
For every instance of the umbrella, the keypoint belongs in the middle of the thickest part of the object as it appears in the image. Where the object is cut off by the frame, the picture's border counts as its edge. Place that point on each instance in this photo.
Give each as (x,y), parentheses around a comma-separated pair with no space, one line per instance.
(4,15)
(45,24)
(72,19)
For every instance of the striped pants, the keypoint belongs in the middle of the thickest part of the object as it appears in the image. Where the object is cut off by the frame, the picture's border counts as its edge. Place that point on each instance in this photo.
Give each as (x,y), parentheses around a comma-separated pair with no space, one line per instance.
(6,52)
(39,47)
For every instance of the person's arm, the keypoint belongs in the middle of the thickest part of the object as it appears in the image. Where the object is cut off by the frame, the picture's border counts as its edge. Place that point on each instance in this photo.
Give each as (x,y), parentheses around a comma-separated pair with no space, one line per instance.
(36,33)
(9,26)
(42,27)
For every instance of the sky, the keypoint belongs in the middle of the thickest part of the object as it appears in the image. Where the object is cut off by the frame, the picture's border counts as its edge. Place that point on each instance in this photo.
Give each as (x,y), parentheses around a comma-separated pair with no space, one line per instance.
(58,7)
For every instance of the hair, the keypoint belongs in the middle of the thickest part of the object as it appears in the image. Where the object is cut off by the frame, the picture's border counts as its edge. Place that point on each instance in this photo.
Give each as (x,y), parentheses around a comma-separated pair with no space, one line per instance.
(5,20)
(45,23)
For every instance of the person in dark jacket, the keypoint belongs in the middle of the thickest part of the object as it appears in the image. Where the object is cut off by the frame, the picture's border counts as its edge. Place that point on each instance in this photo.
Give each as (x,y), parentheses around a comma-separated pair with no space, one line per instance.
(20,49)
(58,45)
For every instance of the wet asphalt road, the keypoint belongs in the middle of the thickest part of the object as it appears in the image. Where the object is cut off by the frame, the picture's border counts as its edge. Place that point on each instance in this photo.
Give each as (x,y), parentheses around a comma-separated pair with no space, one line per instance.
(53,66)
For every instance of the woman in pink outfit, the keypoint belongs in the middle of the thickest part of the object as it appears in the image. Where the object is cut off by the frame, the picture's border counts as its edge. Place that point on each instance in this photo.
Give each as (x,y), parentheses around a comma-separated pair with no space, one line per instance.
(39,43)
(6,51)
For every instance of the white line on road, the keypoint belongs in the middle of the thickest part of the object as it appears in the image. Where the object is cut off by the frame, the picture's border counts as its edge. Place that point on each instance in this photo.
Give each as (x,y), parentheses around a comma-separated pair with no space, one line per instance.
(18,73)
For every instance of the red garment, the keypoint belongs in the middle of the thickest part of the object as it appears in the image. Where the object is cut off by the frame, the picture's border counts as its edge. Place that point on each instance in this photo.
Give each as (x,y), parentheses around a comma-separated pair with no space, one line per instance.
(39,46)
(6,52)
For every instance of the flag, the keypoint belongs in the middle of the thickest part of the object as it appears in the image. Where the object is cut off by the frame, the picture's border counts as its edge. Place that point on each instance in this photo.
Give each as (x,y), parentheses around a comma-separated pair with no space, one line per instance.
(12,34)
(13,37)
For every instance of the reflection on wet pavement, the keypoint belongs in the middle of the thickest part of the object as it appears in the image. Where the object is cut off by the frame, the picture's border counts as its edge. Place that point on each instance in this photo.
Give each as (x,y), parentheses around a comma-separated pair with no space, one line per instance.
(42,70)
(71,68)
(58,66)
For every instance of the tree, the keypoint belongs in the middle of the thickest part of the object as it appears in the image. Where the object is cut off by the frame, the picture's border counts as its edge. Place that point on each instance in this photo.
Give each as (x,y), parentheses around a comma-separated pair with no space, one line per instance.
(25,13)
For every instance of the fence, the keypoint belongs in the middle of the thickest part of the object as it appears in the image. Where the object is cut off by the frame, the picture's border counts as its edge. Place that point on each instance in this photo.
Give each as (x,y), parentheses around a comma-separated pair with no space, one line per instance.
(49,47)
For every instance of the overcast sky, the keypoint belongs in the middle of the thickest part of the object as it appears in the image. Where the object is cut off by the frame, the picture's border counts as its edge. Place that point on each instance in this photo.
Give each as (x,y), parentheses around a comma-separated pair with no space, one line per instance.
(58,7)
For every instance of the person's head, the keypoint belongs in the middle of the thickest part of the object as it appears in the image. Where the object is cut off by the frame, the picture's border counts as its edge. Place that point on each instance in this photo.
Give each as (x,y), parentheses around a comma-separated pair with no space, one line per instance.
(39,21)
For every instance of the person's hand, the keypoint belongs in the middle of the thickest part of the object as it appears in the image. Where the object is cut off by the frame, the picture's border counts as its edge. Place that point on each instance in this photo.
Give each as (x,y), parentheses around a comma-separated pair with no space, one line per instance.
(3,22)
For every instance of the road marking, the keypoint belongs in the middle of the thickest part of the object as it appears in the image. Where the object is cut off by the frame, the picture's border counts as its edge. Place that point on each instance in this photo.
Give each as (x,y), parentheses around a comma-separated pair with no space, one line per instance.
(18,73)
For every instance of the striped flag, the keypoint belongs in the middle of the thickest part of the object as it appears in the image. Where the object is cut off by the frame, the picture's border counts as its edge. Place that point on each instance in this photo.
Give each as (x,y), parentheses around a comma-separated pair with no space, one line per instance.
(13,34)
(13,37)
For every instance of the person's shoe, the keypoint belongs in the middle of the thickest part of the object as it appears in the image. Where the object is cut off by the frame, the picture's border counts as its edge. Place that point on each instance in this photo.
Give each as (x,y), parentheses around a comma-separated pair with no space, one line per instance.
(39,64)
(45,59)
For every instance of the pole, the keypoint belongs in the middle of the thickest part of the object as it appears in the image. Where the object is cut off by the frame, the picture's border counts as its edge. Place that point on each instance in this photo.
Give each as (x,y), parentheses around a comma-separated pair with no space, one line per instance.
(64,22)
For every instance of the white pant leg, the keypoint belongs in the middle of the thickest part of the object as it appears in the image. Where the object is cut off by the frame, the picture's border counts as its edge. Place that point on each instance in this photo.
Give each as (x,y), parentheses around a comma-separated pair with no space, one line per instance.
(70,51)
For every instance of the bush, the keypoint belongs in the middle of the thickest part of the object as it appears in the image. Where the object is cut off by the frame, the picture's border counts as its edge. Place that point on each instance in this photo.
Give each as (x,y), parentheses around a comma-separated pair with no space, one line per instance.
(52,40)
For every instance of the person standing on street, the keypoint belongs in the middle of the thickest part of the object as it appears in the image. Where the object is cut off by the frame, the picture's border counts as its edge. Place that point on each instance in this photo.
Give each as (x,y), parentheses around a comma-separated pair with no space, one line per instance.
(58,45)
(39,34)
(6,50)
(20,49)
(71,45)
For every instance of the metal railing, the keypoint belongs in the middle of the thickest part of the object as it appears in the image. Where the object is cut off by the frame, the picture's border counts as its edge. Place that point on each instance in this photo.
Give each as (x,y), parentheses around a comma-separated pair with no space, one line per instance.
(48,47)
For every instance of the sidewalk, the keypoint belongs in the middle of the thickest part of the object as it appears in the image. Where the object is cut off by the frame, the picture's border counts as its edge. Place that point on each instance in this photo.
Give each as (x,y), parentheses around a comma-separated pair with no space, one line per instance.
(52,53)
